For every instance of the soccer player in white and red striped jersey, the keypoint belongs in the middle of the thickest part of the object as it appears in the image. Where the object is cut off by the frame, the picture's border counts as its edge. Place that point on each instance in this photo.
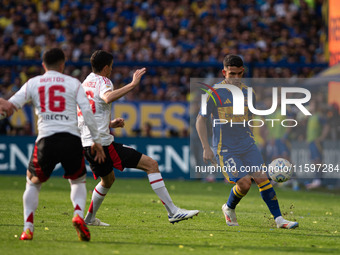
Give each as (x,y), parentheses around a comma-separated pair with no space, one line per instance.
(101,94)
(55,97)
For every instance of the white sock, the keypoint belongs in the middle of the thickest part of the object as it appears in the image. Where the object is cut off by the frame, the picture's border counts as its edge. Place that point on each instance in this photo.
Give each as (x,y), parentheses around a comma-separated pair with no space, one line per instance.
(78,195)
(98,196)
(30,200)
(158,186)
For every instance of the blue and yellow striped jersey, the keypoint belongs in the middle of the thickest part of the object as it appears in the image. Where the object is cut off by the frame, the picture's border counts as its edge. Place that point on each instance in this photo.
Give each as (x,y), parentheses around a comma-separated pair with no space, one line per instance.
(226,137)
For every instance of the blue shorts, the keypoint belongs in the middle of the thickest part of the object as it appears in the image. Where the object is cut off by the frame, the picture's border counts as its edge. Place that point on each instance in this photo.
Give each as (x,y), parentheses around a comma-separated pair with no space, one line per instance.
(238,165)
(315,151)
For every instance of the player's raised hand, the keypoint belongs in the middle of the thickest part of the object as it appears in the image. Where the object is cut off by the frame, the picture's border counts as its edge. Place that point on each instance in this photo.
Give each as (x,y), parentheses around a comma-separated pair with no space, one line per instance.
(117,123)
(208,155)
(137,76)
(97,149)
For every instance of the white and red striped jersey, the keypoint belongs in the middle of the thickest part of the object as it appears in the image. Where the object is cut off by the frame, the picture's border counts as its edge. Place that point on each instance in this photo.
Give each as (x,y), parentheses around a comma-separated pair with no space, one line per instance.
(95,87)
(55,97)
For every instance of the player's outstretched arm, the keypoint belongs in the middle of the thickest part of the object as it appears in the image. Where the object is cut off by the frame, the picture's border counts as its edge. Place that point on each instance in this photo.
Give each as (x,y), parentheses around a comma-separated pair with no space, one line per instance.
(117,123)
(201,126)
(19,99)
(97,149)
(112,96)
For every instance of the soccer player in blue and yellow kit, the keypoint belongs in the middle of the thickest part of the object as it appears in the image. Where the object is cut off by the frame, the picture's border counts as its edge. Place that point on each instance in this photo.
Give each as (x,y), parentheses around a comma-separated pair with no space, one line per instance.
(234,146)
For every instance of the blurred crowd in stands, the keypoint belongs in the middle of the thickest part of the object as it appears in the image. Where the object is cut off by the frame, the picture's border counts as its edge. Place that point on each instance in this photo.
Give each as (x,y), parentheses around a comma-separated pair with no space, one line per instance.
(285,32)
(272,31)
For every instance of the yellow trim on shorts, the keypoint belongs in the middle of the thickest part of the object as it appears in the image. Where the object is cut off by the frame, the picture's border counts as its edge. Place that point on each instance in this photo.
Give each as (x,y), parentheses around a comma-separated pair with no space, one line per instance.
(219,148)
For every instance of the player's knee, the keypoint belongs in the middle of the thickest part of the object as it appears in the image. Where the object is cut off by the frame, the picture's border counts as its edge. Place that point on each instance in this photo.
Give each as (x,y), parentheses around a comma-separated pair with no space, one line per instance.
(33,183)
(81,179)
(31,179)
(108,183)
(108,180)
(112,180)
(244,185)
(153,166)
(148,164)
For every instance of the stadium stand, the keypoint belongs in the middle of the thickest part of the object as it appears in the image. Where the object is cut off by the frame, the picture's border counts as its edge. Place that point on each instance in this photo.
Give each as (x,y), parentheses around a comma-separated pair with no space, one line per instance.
(269,34)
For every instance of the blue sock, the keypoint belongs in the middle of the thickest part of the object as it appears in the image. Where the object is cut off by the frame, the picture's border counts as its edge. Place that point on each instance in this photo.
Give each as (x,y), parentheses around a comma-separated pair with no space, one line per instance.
(234,197)
(269,196)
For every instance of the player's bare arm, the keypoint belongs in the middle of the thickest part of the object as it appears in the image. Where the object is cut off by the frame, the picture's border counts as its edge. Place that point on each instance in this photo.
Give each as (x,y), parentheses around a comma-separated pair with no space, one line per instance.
(117,123)
(112,96)
(201,126)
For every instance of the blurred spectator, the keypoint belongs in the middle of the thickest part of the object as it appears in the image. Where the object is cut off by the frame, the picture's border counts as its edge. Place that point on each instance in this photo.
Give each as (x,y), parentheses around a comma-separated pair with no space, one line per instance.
(147,129)
(45,14)
(189,30)
(267,32)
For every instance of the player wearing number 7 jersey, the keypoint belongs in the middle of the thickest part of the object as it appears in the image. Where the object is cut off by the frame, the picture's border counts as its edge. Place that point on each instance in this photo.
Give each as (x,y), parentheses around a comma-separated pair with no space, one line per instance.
(101,94)
(55,97)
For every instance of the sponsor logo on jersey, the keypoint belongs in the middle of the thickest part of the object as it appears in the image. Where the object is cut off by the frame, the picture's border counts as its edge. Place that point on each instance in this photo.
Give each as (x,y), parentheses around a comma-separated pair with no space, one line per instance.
(54,117)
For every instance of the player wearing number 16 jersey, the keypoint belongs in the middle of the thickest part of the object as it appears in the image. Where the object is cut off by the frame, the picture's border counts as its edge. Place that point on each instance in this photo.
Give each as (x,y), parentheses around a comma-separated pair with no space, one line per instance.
(101,94)
(55,97)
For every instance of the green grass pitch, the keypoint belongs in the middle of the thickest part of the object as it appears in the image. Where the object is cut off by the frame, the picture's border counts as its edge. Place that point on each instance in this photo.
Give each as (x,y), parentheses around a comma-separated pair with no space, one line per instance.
(139,223)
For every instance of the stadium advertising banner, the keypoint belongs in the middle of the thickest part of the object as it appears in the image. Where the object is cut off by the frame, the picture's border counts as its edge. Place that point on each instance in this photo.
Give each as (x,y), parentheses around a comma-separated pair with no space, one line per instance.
(164,118)
(172,155)
(334,32)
